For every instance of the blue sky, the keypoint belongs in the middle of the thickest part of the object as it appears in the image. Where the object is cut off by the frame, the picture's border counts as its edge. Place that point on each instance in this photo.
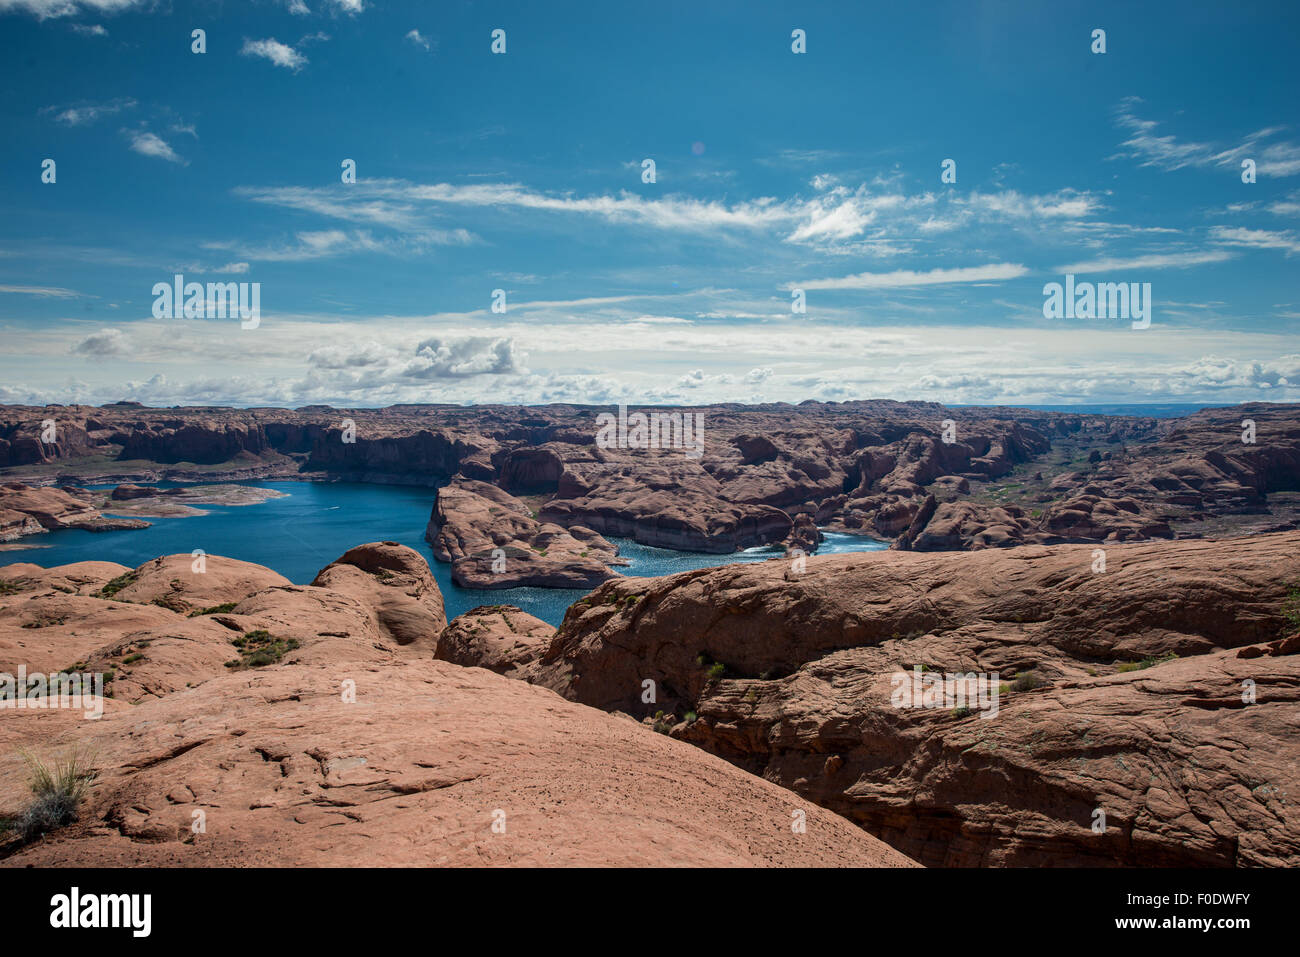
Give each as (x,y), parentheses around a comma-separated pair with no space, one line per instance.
(523,172)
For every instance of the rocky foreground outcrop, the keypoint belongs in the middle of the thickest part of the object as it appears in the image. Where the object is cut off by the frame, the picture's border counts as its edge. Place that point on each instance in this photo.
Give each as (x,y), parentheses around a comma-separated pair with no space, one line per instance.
(501,638)
(1151,683)
(257,723)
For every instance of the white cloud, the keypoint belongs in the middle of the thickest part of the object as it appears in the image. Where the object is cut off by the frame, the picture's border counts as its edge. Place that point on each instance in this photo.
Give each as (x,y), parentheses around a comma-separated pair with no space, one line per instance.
(322,244)
(86,113)
(45,9)
(573,358)
(374,364)
(1065,204)
(1257,238)
(89,30)
(281,54)
(46,292)
(1169,153)
(903,278)
(831,219)
(150,144)
(419,40)
(1151,261)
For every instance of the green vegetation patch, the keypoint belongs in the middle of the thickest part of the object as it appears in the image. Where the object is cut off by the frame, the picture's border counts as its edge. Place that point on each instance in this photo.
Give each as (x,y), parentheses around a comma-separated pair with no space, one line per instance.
(259,647)
(215,609)
(1127,666)
(114,586)
(1291,607)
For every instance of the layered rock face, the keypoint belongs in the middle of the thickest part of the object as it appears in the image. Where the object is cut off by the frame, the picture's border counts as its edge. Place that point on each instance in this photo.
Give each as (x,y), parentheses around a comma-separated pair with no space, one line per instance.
(492,541)
(1158,688)
(931,477)
(667,502)
(289,725)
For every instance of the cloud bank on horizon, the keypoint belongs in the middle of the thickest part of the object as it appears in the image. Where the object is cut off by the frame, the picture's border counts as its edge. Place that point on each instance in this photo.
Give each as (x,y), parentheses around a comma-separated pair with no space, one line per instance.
(688,204)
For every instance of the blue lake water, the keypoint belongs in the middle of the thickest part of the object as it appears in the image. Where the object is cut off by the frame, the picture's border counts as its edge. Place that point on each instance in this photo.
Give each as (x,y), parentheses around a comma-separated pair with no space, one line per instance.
(316,522)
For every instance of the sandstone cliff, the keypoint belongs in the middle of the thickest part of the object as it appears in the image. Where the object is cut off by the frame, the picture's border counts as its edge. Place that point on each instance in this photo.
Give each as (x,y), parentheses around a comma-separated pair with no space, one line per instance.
(931,477)
(1124,690)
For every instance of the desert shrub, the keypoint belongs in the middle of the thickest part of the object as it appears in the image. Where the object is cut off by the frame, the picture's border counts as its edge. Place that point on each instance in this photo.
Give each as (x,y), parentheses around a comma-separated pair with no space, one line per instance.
(115,585)
(259,647)
(215,609)
(58,790)
(1027,681)
(1291,607)
(1147,662)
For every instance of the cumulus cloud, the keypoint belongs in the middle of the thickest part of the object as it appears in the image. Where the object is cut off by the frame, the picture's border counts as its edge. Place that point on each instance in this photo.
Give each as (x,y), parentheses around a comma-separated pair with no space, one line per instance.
(109,342)
(439,357)
(281,54)
(414,36)
(151,144)
(386,360)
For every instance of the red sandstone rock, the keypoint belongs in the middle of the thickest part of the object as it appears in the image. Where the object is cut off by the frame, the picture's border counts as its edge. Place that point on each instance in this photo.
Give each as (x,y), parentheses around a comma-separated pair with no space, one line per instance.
(26,510)
(397,584)
(790,675)
(501,638)
(492,541)
(866,466)
(358,749)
